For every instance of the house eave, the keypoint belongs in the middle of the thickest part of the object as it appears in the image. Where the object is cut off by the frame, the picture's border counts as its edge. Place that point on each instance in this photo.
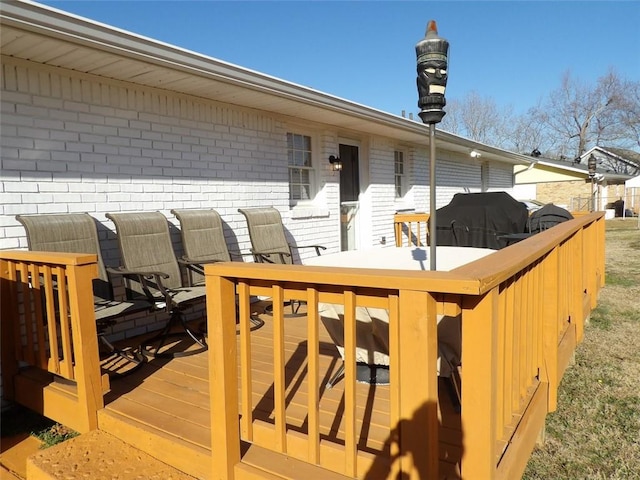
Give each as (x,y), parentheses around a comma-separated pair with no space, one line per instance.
(52,37)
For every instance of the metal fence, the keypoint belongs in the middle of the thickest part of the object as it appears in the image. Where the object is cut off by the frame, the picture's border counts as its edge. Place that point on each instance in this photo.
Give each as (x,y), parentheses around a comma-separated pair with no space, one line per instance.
(616,206)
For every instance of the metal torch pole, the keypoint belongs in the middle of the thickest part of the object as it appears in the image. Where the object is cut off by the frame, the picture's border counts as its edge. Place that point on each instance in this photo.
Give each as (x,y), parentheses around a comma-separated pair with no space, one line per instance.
(432,196)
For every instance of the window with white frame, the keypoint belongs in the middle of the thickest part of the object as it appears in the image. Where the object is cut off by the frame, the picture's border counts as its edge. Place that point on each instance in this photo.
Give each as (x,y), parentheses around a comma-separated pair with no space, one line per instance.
(300,166)
(398,160)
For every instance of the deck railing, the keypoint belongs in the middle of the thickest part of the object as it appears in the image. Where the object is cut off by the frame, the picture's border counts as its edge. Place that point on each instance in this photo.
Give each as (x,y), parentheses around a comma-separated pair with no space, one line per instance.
(522,308)
(49,335)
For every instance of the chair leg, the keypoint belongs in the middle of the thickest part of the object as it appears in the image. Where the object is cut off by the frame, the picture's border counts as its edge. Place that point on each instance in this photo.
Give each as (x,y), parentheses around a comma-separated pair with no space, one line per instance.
(153,346)
(256,323)
(333,380)
(130,355)
(295,307)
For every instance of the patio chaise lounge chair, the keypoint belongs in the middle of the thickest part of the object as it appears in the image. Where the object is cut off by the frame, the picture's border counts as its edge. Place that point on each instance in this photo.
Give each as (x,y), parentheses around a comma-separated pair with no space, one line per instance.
(77,233)
(147,253)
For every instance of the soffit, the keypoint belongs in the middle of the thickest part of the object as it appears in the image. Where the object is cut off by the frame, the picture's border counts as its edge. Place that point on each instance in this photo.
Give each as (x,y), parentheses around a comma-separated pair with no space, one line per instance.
(51,37)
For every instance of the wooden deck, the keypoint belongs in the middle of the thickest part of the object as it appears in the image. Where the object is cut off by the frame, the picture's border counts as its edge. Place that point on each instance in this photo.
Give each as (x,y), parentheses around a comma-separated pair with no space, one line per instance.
(163,408)
(255,406)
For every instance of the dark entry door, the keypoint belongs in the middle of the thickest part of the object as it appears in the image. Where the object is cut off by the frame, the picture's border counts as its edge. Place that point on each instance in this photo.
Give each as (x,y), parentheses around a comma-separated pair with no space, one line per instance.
(349,194)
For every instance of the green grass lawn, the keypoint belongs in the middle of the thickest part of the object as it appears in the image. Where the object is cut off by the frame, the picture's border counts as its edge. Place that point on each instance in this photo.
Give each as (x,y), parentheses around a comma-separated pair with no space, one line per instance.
(595,433)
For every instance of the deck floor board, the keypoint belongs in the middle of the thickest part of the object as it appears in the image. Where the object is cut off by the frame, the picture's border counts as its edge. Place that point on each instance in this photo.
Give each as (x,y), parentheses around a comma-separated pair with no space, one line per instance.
(171,397)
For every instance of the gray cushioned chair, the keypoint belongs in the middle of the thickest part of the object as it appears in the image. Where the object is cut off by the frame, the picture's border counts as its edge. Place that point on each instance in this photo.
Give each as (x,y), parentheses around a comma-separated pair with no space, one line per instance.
(204,242)
(268,241)
(147,253)
(77,233)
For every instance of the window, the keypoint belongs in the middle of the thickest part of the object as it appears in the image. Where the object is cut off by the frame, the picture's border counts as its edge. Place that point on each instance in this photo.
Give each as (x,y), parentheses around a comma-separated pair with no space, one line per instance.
(300,167)
(399,172)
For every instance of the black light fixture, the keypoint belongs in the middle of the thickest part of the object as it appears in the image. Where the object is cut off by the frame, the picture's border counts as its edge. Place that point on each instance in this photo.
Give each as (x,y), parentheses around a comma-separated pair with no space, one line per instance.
(336,163)
(432,62)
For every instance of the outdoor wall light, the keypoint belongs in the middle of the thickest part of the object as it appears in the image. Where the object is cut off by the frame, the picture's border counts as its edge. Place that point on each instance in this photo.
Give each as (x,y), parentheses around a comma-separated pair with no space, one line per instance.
(336,163)
(475,154)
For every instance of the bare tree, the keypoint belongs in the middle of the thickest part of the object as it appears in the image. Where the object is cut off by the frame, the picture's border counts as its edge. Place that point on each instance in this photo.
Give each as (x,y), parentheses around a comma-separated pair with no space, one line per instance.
(478,118)
(580,115)
(452,121)
(573,118)
(528,133)
(629,114)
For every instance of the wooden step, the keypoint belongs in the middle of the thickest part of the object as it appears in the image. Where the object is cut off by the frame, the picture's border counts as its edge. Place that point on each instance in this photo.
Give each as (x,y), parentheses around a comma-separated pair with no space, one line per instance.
(266,464)
(99,456)
(177,452)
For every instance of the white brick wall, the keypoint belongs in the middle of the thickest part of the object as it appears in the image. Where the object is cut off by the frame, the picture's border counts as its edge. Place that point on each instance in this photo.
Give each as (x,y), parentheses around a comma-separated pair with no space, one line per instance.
(82,144)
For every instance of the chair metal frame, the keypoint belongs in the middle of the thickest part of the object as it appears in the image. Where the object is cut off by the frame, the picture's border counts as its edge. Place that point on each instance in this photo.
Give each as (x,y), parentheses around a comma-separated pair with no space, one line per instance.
(153,271)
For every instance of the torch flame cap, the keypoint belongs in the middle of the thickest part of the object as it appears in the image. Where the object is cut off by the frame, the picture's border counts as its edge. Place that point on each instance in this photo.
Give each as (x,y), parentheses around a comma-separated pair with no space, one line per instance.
(432,29)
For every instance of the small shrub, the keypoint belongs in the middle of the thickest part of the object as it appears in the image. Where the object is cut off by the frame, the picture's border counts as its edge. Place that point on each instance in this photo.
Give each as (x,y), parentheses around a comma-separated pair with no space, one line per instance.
(54,435)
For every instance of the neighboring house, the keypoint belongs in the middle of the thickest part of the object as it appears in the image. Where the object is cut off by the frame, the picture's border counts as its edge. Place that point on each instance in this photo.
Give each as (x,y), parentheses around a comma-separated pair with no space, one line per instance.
(614,160)
(567,184)
(633,196)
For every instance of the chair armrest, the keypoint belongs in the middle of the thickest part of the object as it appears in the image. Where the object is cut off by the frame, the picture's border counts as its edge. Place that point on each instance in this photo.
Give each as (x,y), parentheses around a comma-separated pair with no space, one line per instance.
(317,247)
(260,257)
(123,271)
(188,261)
(196,266)
(240,255)
(144,278)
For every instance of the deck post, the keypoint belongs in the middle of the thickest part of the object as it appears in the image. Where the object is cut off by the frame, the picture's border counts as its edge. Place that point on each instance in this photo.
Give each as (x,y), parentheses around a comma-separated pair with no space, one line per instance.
(85,342)
(223,375)
(592,262)
(418,410)
(479,383)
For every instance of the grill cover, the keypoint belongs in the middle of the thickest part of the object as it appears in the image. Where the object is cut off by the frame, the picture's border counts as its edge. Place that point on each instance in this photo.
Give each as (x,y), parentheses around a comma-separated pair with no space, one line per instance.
(479,219)
(547,217)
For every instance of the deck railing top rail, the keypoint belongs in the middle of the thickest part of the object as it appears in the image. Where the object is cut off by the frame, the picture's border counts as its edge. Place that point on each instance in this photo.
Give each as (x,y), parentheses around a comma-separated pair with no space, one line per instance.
(57,258)
(475,278)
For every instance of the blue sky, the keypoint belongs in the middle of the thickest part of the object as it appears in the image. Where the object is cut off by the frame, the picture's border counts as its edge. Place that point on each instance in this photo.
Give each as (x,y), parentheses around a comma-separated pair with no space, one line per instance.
(514,52)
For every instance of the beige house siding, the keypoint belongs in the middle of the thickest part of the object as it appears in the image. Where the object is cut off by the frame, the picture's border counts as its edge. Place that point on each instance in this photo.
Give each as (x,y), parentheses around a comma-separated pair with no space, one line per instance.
(562,193)
(574,195)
